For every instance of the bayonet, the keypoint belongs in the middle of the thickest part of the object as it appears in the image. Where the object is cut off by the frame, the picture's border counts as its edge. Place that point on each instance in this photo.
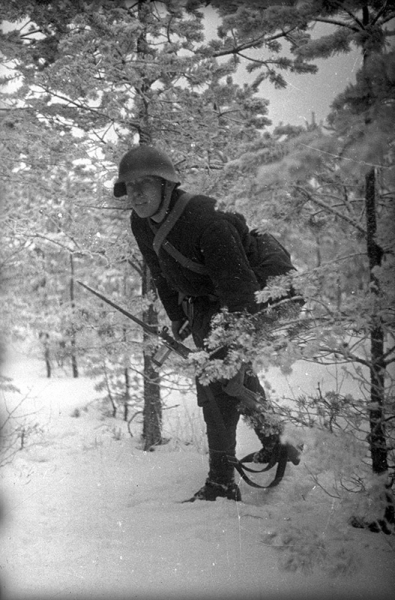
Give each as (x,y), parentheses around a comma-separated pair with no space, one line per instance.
(163,333)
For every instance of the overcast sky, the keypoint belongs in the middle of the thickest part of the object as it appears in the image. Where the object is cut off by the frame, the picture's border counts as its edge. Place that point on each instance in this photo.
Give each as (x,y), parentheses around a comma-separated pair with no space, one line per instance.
(304,94)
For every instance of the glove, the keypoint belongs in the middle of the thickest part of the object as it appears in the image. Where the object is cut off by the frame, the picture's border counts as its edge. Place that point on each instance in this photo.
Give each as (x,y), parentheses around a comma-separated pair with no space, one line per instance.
(180,329)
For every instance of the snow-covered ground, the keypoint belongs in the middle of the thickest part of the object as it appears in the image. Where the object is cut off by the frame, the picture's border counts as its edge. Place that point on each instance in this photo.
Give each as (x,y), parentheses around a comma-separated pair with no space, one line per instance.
(87,514)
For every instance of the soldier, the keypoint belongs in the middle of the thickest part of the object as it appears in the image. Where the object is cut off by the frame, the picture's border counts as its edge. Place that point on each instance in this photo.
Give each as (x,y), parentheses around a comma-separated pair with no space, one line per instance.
(202,260)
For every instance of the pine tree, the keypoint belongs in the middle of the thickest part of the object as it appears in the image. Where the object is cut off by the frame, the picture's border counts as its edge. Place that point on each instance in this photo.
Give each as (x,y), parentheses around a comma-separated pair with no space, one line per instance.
(337,185)
(370,106)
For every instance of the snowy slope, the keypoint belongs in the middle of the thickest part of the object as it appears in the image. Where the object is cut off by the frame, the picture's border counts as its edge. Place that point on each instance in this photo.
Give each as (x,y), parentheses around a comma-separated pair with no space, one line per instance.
(87,514)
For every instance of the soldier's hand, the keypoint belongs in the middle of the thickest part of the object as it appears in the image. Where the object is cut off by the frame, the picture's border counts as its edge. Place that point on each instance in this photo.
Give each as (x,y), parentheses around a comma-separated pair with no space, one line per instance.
(180,329)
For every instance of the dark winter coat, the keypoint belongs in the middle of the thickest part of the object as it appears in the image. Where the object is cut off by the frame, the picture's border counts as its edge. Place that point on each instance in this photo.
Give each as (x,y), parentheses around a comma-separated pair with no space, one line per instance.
(222,242)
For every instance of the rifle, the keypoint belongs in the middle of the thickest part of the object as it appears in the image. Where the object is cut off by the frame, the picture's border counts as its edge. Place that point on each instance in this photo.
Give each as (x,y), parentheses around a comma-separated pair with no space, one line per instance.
(234,388)
(170,344)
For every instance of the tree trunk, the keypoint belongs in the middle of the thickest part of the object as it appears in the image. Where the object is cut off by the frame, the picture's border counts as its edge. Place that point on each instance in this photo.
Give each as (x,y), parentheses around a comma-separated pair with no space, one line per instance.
(73,342)
(127,395)
(47,352)
(126,376)
(152,412)
(377,437)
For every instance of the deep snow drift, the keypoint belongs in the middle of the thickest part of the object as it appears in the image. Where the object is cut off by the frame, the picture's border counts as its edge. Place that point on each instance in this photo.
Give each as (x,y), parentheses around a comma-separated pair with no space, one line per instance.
(87,514)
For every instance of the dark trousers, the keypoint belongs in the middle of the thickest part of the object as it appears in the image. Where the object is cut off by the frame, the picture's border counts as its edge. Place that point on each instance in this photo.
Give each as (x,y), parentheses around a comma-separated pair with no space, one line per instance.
(221,437)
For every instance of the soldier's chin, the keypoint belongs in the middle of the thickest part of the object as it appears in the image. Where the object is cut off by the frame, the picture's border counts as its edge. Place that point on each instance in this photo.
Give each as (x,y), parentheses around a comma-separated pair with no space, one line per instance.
(143,210)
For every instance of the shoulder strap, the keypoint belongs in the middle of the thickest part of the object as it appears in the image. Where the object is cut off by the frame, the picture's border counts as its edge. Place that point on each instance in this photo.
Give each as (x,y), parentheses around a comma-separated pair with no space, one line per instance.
(183,260)
(170,221)
(164,230)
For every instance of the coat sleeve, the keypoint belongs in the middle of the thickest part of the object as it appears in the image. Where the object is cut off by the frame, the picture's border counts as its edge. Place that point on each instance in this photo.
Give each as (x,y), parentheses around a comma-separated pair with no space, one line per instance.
(234,280)
(167,295)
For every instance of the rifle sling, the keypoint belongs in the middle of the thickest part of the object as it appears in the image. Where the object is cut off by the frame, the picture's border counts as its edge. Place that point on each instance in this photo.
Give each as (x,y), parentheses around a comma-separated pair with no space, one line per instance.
(162,232)
(281,458)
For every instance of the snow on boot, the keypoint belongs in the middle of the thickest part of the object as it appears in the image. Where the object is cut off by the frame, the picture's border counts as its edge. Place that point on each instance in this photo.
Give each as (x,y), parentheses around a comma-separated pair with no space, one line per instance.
(212,490)
(270,452)
(294,453)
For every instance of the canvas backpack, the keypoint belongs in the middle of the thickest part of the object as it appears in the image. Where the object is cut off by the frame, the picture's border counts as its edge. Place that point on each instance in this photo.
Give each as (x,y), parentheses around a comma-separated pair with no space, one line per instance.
(268,246)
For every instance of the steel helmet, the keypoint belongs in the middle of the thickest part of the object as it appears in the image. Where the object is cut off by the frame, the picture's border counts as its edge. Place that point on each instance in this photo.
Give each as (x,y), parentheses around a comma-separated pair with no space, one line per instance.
(140,162)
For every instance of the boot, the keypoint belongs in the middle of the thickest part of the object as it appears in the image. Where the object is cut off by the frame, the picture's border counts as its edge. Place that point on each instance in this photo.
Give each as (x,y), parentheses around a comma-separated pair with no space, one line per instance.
(270,451)
(212,490)
(220,482)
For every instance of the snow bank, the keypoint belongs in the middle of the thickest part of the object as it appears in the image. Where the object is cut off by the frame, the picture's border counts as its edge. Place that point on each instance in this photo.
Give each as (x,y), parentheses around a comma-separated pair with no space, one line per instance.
(87,514)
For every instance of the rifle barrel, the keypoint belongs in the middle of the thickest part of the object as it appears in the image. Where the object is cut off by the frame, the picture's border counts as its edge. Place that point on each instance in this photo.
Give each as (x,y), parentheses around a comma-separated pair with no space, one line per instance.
(166,337)
(149,328)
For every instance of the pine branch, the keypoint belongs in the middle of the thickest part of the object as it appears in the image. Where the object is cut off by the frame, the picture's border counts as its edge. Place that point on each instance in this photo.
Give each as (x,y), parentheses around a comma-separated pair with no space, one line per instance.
(136,266)
(316,481)
(55,242)
(388,18)
(351,14)
(253,43)
(380,12)
(347,355)
(330,209)
(338,23)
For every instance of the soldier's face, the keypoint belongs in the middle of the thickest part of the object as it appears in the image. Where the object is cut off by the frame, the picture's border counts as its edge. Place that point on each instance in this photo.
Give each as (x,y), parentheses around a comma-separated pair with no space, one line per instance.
(144,195)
